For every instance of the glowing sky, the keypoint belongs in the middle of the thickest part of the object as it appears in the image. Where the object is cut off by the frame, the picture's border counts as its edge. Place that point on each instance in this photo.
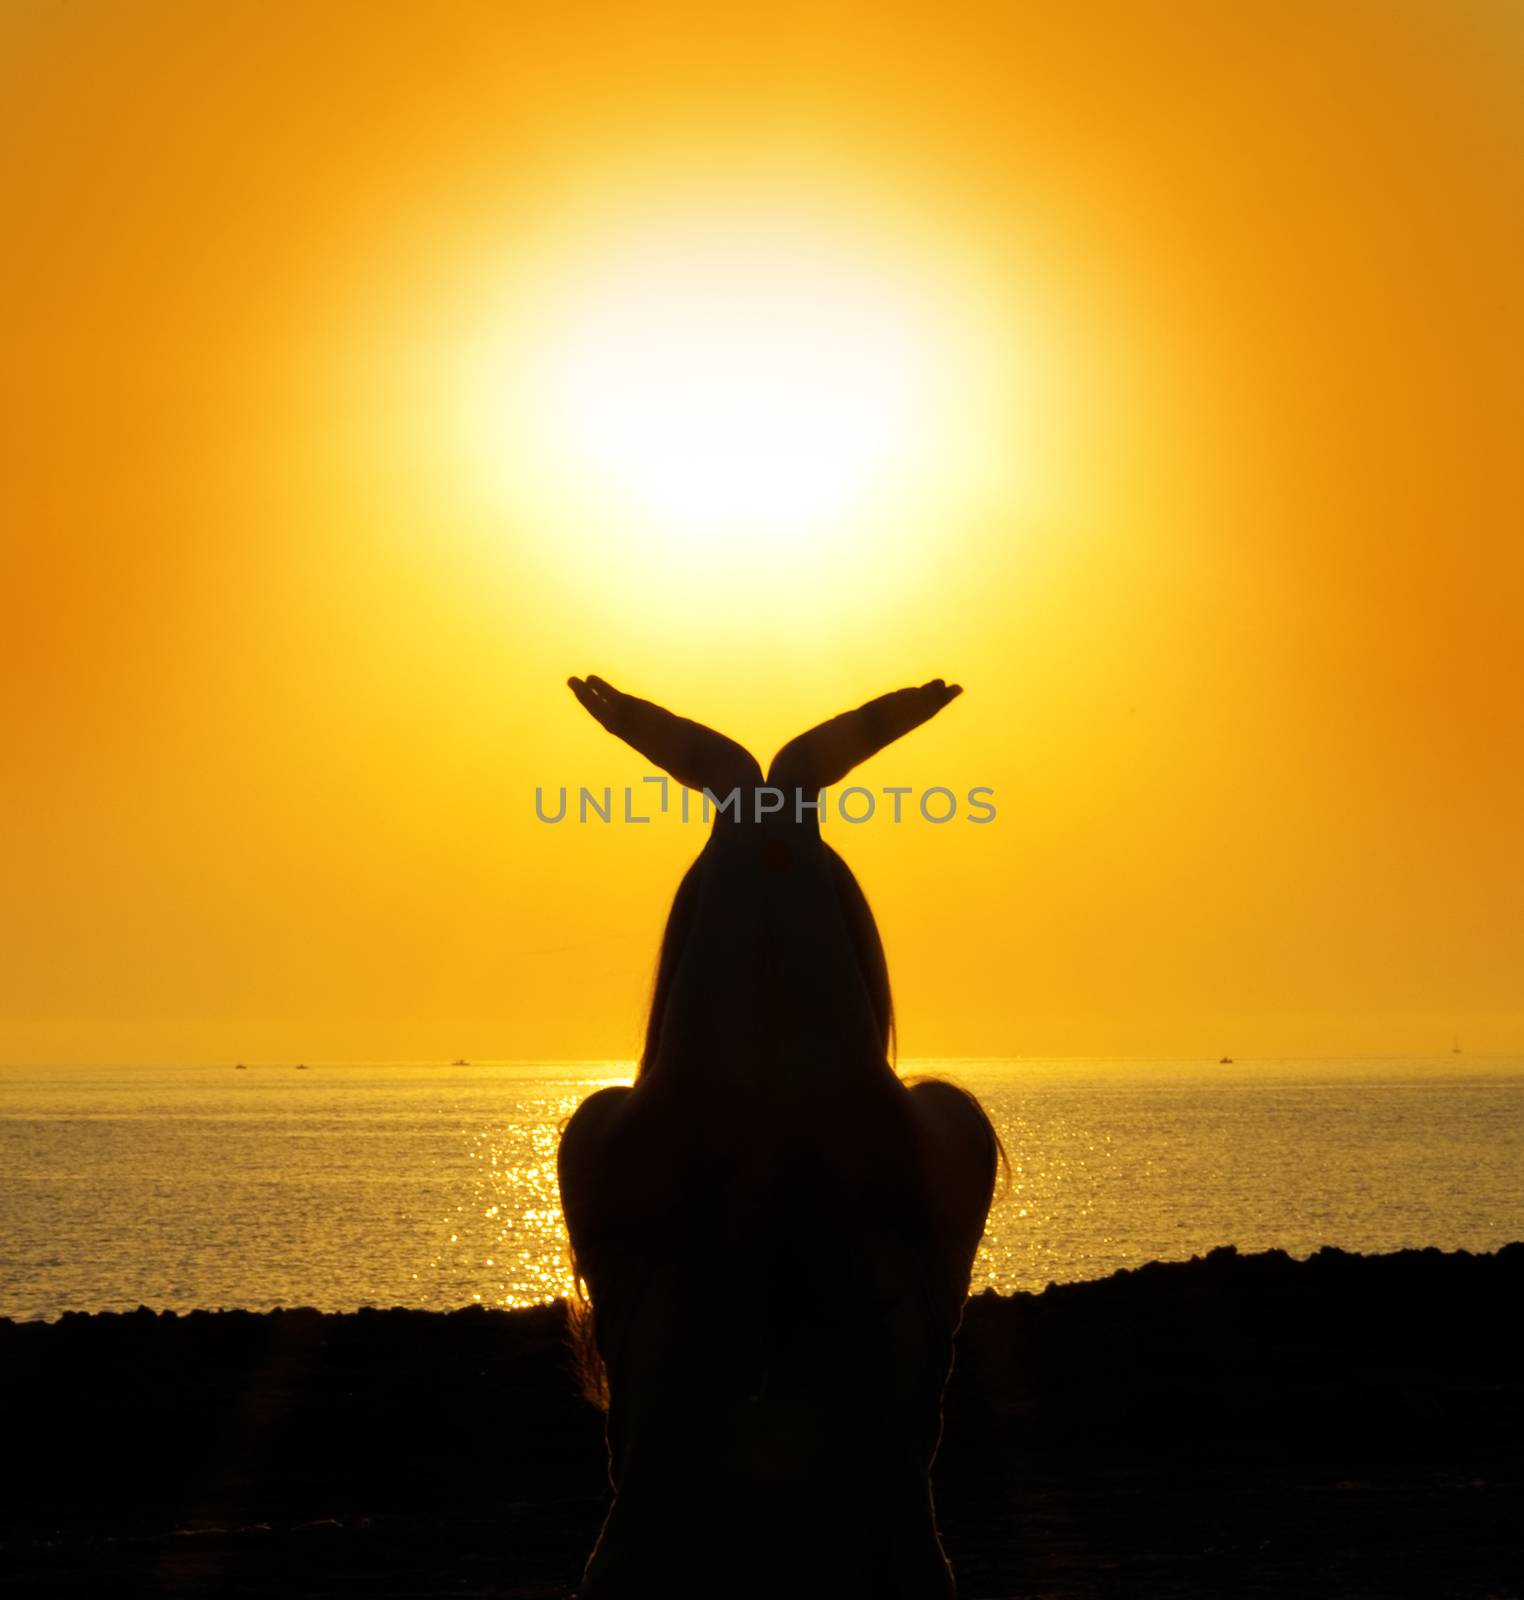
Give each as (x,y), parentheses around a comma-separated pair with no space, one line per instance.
(1153,370)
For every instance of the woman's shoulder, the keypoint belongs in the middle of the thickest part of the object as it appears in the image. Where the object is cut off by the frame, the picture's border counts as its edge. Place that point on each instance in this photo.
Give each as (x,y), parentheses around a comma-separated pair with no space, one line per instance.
(594,1121)
(587,1139)
(962,1156)
(950,1110)
(621,1148)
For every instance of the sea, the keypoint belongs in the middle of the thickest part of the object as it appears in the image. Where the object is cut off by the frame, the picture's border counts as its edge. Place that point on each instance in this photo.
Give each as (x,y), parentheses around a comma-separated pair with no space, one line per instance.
(341,1185)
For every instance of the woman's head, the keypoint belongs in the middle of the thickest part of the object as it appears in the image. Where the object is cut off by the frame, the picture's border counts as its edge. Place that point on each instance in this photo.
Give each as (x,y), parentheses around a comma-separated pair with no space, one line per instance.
(862,930)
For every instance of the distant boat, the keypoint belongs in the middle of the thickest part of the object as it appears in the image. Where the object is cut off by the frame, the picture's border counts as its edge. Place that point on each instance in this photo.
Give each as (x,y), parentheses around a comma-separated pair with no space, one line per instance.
(301,1066)
(1455,1048)
(239,1067)
(460,1062)
(1225,1061)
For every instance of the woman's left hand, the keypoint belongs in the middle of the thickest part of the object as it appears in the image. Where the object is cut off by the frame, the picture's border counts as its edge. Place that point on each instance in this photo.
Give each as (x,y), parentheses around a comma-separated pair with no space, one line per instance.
(696,756)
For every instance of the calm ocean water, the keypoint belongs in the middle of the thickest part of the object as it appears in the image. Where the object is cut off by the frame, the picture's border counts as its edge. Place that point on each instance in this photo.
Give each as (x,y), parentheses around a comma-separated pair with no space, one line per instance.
(350,1185)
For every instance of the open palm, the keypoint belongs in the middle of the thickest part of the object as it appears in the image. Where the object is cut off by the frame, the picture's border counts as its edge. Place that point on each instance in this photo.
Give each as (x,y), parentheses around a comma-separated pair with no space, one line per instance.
(700,758)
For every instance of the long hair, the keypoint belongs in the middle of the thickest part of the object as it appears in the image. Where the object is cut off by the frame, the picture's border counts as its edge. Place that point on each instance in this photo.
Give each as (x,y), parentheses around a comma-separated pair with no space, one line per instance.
(862,929)
(867,946)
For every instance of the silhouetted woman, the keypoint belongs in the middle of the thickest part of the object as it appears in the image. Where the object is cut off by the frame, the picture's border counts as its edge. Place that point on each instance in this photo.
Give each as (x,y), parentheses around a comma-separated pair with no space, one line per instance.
(775,1231)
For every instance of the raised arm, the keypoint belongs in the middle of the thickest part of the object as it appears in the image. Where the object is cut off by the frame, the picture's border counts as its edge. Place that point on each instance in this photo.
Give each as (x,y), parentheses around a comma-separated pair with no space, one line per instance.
(698,757)
(826,753)
(816,958)
(769,967)
(713,1019)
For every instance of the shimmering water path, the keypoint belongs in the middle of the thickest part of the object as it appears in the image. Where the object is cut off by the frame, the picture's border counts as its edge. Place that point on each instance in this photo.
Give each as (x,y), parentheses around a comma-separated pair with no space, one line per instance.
(341,1186)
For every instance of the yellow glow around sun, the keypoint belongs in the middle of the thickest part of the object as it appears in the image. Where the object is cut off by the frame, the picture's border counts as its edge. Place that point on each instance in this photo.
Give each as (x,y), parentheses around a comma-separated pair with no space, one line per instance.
(696,388)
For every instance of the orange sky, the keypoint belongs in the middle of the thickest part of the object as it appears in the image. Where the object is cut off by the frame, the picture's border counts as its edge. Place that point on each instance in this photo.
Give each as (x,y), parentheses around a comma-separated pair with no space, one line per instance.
(1223,528)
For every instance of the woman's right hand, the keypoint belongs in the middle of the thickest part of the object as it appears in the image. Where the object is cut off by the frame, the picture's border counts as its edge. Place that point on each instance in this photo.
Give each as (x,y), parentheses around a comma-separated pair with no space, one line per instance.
(826,753)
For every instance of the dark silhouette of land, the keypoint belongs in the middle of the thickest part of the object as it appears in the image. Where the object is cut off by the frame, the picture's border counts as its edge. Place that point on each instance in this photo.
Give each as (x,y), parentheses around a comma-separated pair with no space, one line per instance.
(1235,1425)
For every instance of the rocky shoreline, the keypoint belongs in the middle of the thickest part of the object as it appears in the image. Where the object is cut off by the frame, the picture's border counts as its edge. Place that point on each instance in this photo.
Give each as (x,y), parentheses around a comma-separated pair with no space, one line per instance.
(1232,1425)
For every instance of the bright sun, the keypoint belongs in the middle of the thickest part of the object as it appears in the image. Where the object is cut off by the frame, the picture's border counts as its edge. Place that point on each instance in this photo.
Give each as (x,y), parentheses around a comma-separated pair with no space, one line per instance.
(745,385)
(693,388)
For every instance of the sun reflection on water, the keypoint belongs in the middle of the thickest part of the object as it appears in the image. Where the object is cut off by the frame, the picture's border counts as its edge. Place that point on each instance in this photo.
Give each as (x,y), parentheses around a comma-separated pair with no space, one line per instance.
(507,1234)
(421,1185)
